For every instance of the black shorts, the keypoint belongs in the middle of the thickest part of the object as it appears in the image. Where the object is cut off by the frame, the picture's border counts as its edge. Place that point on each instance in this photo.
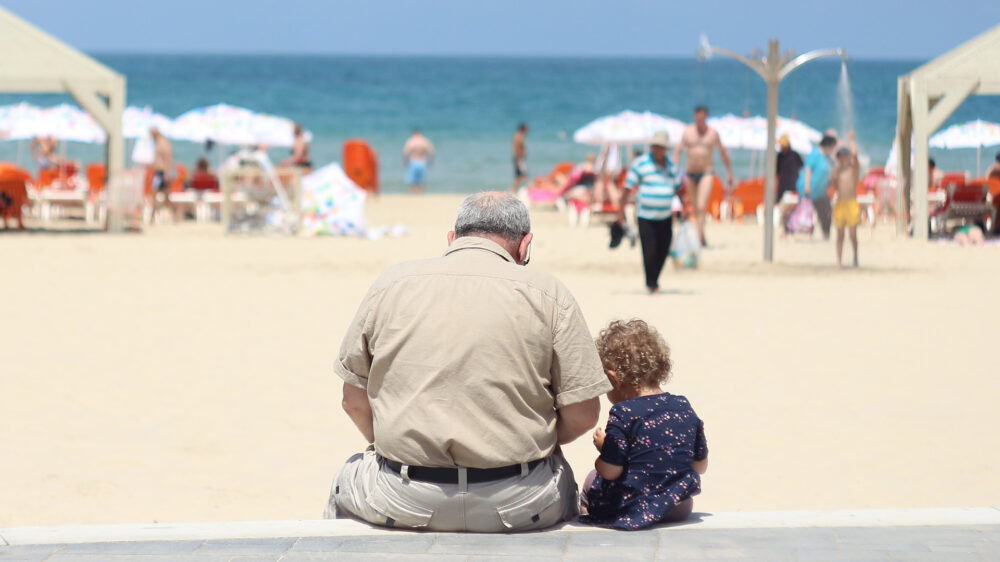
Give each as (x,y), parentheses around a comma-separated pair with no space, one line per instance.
(159,182)
(520,171)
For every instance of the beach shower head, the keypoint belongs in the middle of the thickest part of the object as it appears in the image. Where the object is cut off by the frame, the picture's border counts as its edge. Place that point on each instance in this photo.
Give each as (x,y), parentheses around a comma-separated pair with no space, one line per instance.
(704,51)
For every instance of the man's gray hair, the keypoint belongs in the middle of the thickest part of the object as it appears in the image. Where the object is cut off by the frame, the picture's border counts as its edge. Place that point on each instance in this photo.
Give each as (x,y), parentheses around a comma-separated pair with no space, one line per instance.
(494,213)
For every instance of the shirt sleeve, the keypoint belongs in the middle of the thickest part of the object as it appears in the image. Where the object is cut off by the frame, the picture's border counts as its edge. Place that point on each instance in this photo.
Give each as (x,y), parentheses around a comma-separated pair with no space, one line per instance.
(615,449)
(577,373)
(354,361)
(632,178)
(700,445)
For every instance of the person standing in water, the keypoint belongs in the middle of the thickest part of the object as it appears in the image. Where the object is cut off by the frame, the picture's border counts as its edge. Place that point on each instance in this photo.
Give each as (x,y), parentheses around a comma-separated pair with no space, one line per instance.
(520,154)
(700,141)
(418,154)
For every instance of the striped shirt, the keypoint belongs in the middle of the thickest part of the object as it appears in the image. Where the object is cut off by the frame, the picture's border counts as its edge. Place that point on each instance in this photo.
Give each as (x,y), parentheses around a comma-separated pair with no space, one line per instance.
(657,187)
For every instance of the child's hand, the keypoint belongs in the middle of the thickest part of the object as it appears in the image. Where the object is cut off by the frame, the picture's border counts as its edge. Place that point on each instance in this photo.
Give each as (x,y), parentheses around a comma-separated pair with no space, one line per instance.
(599,438)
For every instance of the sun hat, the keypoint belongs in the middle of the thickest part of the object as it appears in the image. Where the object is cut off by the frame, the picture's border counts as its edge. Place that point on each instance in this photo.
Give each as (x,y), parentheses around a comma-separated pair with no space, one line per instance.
(784,141)
(660,138)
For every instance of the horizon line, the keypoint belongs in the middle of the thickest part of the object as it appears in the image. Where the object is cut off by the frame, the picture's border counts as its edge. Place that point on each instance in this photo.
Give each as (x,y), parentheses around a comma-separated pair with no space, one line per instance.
(374,54)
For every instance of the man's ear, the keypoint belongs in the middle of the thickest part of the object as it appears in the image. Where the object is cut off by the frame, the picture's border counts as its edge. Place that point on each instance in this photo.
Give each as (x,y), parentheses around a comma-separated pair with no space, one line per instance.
(615,381)
(522,248)
(451,237)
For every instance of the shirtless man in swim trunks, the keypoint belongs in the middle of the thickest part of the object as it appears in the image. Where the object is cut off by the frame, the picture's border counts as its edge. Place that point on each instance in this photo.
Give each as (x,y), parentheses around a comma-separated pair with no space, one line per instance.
(418,153)
(163,160)
(520,153)
(700,142)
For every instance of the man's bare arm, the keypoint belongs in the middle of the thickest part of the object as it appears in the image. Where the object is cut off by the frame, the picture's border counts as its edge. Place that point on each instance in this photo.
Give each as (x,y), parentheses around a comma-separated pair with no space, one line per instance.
(358,408)
(576,419)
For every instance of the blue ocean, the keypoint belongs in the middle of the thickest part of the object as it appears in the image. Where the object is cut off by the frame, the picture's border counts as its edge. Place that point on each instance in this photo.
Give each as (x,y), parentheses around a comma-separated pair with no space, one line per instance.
(470,107)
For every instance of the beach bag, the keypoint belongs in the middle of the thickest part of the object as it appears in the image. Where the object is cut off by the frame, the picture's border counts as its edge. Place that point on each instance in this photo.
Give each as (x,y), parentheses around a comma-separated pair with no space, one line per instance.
(685,248)
(800,220)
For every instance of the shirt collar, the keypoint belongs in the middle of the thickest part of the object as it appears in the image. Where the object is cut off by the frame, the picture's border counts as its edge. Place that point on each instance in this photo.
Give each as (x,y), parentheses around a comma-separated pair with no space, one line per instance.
(666,160)
(477,243)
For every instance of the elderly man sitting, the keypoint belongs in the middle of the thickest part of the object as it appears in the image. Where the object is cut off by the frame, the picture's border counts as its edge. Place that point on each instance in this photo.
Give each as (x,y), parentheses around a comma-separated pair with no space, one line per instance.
(466,372)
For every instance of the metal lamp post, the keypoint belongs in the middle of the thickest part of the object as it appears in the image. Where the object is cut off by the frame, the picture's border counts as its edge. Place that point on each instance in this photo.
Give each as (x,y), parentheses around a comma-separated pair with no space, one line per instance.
(773,68)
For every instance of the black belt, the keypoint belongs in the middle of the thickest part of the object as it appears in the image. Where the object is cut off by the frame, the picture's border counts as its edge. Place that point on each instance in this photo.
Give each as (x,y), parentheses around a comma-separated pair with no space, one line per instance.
(449,475)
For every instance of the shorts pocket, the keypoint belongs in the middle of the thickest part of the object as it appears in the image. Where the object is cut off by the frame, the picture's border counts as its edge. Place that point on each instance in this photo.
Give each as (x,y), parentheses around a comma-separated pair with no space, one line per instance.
(527,510)
(398,511)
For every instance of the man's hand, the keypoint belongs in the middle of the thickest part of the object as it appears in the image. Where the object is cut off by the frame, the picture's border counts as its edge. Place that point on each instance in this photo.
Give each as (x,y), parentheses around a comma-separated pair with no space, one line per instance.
(599,436)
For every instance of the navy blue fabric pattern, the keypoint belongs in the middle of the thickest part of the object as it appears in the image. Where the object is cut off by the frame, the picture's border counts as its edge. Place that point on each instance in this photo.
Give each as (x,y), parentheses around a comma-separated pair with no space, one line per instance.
(655,439)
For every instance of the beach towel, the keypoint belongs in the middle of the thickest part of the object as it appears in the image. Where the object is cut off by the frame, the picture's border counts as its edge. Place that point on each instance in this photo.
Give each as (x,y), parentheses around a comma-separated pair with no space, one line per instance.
(685,248)
(800,221)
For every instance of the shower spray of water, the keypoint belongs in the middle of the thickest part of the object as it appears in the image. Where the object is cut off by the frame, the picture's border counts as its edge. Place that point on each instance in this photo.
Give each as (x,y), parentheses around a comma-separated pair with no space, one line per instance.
(845,100)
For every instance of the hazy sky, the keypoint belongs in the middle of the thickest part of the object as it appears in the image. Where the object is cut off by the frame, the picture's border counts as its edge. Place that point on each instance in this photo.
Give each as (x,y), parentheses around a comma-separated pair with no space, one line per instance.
(917,29)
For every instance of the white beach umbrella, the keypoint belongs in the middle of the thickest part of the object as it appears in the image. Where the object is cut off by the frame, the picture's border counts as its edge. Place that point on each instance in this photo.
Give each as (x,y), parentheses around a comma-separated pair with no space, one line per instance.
(228,124)
(628,127)
(137,121)
(973,134)
(750,133)
(221,123)
(69,123)
(17,121)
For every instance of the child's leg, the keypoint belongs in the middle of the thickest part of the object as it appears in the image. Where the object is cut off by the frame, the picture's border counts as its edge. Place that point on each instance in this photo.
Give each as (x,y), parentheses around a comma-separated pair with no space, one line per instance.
(854,244)
(840,245)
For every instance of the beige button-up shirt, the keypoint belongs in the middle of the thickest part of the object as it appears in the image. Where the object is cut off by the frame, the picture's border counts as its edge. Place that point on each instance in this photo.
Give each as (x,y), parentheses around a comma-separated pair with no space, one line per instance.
(466,358)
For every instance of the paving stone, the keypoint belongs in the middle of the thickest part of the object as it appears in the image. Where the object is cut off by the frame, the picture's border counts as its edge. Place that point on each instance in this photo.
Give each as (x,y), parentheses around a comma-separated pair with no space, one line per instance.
(888,539)
(936,557)
(412,543)
(28,553)
(532,544)
(234,547)
(134,547)
(372,556)
(317,544)
(838,555)
(620,545)
(60,557)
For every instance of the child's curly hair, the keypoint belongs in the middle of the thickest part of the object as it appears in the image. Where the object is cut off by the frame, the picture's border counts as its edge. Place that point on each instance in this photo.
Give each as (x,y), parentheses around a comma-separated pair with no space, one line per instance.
(636,352)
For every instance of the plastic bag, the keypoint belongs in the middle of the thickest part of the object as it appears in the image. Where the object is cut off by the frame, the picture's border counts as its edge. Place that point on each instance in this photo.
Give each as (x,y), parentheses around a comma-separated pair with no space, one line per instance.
(800,220)
(685,248)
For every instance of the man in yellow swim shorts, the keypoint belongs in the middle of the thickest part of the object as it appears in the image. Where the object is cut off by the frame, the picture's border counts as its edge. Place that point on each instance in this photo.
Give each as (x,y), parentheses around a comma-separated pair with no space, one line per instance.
(846,212)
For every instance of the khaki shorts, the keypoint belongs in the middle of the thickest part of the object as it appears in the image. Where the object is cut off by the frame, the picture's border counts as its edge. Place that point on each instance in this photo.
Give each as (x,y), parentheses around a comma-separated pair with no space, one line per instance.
(367,489)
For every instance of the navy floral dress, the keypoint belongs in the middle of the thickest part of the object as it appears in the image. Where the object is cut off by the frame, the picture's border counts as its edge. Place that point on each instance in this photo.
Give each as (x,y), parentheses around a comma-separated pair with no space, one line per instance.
(655,439)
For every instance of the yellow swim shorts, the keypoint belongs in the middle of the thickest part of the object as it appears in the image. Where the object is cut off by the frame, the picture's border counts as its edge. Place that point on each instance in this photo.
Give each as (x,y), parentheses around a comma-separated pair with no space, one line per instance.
(846,213)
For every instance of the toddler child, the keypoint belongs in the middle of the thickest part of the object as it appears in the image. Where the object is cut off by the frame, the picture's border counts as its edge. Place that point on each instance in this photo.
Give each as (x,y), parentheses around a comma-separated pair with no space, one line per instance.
(653,450)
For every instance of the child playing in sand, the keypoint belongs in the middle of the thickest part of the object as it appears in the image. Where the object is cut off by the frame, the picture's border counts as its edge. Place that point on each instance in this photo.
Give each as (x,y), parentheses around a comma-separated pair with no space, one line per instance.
(653,449)
(846,212)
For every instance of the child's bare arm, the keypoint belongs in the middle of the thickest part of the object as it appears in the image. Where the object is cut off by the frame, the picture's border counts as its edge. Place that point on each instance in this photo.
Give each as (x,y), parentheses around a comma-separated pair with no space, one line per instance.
(700,466)
(607,470)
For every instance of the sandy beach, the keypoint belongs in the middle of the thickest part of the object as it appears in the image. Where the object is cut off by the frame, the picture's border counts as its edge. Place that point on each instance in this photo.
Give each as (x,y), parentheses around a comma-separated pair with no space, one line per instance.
(182,375)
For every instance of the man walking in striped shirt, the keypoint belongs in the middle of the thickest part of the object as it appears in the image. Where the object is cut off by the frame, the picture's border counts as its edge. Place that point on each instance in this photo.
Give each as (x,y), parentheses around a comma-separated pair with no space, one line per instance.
(655,179)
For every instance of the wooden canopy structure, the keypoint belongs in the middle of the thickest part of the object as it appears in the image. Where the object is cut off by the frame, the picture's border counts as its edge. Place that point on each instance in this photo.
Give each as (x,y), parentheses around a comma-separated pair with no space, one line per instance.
(926,98)
(32,61)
